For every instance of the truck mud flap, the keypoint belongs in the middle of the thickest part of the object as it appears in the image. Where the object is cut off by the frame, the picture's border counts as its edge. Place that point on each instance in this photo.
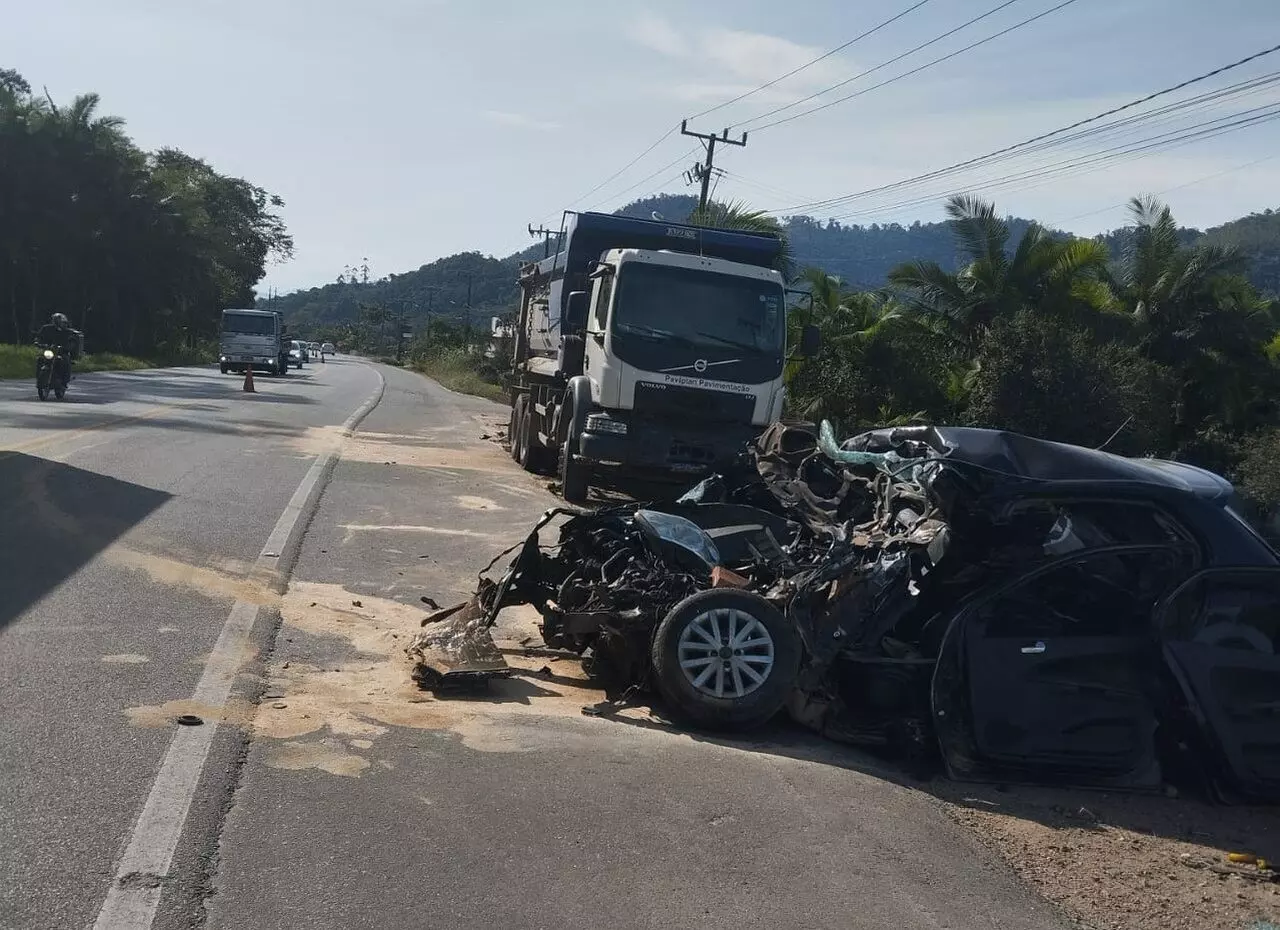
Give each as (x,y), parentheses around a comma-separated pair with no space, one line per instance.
(455,650)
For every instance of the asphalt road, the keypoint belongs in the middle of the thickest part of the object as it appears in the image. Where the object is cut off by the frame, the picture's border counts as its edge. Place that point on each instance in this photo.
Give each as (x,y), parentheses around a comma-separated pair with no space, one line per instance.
(335,795)
(132,513)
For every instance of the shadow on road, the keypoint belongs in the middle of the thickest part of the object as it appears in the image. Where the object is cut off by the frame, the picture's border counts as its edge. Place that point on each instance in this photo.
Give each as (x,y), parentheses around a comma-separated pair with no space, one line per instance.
(56,518)
(1064,811)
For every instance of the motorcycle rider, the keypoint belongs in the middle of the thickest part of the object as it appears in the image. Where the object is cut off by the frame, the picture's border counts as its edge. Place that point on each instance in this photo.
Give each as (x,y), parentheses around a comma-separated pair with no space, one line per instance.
(58,335)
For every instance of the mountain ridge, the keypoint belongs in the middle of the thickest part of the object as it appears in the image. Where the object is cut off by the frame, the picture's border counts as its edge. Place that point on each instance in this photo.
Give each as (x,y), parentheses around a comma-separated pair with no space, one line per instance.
(861,256)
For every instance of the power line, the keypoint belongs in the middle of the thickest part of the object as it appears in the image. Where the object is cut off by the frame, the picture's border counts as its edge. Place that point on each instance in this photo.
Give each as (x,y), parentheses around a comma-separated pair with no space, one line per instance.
(1170,190)
(668,166)
(749,93)
(1141,148)
(927,65)
(661,139)
(1125,126)
(810,64)
(1034,139)
(883,64)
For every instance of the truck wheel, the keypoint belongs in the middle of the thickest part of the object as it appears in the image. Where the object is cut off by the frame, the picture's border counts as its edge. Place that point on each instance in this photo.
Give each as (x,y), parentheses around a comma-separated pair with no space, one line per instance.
(572,473)
(224,368)
(516,432)
(725,659)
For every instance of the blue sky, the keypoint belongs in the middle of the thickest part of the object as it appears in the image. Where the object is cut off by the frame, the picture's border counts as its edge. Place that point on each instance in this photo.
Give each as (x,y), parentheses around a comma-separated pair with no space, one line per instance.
(404,130)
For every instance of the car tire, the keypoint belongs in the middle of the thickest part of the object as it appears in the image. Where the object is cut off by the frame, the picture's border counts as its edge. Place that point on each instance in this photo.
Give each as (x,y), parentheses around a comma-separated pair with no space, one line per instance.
(774,653)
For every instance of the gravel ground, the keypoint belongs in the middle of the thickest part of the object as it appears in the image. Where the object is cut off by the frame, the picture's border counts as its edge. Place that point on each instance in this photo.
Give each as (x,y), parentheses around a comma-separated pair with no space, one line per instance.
(1125,862)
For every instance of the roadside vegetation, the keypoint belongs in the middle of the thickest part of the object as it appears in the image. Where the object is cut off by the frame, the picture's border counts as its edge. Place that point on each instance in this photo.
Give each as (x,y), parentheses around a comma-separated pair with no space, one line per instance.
(20,361)
(1138,341)
(141,250)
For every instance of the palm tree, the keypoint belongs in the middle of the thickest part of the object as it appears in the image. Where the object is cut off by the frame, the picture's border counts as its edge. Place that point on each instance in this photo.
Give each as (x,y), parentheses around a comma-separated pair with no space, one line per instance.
(735,214)
(1042,272)
(1196,314)
(849,322)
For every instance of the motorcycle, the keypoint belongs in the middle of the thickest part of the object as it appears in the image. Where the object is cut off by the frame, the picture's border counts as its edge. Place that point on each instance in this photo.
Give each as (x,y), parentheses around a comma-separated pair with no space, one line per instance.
(53,372)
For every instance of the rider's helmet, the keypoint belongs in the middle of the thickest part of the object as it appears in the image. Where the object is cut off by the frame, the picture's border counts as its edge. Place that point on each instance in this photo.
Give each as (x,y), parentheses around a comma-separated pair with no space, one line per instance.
(60,320)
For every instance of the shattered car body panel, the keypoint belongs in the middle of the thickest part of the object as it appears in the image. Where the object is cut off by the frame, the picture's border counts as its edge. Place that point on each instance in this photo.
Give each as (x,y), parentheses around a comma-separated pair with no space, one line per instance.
(1001,602)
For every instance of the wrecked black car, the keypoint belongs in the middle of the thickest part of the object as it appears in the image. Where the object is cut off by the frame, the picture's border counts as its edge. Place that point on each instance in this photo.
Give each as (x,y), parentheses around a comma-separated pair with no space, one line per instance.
(1013,608)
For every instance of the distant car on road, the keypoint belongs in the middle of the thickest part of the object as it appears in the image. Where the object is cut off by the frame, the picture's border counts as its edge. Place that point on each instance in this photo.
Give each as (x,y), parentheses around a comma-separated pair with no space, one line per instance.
(328,349)
(298,354)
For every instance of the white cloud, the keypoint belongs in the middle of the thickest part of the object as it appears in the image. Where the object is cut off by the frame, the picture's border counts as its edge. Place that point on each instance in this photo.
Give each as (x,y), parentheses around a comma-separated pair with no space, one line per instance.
(517,120)
(653,32)
(757,57)
(703,93)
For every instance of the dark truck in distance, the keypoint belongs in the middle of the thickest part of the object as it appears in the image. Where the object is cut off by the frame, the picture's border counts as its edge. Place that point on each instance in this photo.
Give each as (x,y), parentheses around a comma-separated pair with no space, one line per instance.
(647,347)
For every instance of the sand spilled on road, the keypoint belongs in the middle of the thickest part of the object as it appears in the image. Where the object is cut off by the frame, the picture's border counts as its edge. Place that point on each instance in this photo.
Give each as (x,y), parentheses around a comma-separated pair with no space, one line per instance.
(344,707)
(215,582)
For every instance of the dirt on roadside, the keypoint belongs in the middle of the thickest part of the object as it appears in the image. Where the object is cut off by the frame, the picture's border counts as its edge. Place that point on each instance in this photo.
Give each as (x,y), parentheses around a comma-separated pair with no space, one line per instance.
(1129,862)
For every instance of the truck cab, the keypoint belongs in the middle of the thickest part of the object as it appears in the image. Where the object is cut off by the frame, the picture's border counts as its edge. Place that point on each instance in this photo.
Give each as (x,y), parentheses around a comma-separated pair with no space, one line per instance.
(684,355)
(253,339)
(645,346)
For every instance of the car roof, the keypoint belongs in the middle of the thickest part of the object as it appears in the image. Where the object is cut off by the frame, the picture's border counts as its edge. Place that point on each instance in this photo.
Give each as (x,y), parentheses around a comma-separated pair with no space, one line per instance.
(1043,460)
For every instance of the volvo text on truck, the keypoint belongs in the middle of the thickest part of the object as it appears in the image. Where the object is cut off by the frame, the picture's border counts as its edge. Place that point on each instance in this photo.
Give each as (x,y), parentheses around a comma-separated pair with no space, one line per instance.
(646,347)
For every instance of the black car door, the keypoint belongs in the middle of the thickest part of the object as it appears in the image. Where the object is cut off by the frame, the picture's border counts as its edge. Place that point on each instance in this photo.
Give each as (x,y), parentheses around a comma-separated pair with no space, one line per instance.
(1057,667)
(1221,636)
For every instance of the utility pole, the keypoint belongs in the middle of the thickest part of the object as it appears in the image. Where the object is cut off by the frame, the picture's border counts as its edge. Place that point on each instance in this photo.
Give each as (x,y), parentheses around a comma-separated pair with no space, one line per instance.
(546,235)
(703,171)
(468,329)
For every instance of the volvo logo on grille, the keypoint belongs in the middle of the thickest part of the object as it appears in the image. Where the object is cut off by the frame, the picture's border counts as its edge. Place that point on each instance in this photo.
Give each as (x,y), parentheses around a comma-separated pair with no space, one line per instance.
(700,365)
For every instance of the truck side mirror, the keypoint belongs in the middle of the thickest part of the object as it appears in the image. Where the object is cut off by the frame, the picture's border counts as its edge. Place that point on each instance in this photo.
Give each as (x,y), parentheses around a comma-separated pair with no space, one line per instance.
(575,312)
(810,341)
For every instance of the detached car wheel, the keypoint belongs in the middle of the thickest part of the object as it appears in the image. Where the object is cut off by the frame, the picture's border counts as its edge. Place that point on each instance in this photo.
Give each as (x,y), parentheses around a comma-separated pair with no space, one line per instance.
(725,659)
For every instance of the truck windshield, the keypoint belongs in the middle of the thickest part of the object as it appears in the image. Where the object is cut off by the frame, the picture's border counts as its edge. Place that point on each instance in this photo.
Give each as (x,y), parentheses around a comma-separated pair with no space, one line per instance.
(248,324)
(699,307)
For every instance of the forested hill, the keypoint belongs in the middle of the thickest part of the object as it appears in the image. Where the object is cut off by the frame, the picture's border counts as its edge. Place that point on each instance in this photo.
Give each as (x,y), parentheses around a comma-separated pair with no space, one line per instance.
(860,255)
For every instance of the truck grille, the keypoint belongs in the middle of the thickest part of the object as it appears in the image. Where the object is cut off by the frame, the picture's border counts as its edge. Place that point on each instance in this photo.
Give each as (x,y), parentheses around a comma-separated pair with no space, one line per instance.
(666,400)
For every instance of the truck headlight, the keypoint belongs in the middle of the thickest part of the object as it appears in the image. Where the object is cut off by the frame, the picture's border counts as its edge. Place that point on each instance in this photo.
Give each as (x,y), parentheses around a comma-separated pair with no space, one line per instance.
(600,423)
(48,353)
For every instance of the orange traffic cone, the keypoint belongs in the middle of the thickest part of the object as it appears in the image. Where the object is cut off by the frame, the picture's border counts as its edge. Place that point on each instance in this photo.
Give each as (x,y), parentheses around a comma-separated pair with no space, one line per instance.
(248,381)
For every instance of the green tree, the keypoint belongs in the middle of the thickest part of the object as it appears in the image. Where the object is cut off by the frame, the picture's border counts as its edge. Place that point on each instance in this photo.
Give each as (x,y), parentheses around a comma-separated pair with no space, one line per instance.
(1048,377)
(142,251)
(1194,313)
(1042,271)
(737,215)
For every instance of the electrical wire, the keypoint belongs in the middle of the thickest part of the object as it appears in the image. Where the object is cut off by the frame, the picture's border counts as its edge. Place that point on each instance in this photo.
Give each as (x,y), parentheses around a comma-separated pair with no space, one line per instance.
(1117,129)
(810,64)
(645,180)
(1162,142)
(883,64)
(1090,164)
(661,139)
(917,70)
(1034,139)
(1170,190)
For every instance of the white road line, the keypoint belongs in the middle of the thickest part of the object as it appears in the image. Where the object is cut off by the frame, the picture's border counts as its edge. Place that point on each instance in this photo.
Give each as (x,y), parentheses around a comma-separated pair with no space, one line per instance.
(134,896)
